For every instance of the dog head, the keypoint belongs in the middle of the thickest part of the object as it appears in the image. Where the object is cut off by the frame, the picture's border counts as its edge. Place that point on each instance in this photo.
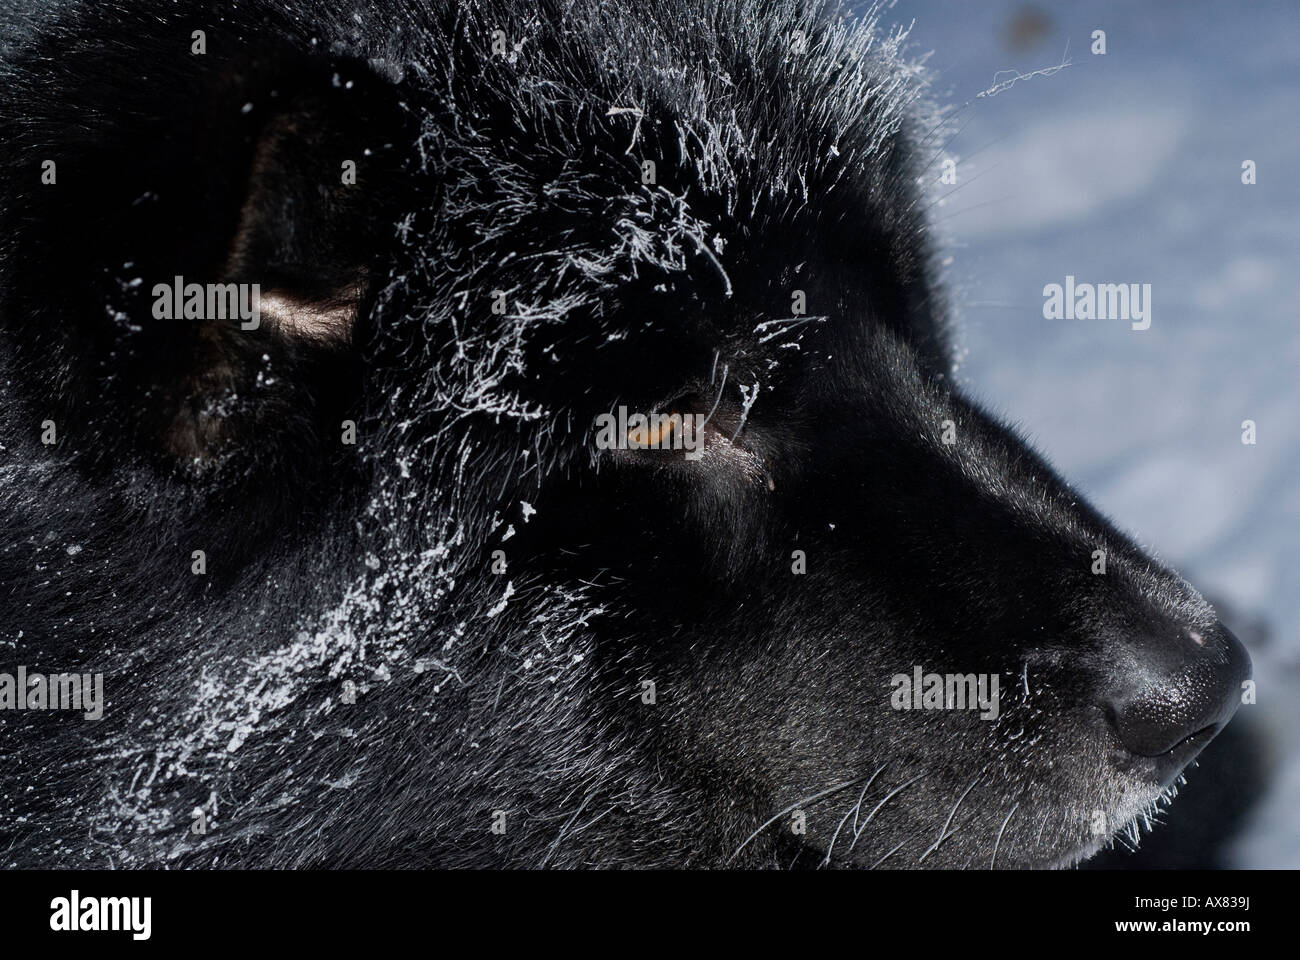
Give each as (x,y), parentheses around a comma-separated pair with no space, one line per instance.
(582,406)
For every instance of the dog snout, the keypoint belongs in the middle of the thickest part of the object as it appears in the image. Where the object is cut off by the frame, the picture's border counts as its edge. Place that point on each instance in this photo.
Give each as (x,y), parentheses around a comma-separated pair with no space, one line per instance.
(1188,684)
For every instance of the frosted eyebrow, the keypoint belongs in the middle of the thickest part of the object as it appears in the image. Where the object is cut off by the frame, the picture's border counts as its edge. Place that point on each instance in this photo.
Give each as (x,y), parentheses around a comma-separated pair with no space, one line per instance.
(327,322)
(301,229)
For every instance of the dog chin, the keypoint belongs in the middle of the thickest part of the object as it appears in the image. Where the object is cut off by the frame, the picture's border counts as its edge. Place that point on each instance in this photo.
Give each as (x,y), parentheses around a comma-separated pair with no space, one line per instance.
(1137,815)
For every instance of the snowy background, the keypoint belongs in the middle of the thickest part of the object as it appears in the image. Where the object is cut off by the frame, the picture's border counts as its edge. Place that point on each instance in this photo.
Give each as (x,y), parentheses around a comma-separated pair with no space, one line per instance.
(1126,168)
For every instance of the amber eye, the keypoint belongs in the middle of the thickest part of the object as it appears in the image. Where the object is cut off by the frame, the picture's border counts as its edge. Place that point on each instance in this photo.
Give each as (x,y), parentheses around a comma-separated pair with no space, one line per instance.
(657,432)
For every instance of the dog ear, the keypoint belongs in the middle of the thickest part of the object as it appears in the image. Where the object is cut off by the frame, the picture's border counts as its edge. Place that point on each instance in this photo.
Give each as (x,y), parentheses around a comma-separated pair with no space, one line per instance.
(190,235)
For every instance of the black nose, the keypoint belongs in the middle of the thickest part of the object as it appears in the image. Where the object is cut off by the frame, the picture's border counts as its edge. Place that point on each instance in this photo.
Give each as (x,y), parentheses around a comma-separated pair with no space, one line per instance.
(1188,682)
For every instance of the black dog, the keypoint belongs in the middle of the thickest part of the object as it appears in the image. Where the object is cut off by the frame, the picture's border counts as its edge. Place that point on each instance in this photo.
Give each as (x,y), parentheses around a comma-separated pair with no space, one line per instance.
(373,568)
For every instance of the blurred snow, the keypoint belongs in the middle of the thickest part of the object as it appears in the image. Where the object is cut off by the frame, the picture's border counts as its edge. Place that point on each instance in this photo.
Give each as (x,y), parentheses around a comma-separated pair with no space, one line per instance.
(1126,168)
(1106,157)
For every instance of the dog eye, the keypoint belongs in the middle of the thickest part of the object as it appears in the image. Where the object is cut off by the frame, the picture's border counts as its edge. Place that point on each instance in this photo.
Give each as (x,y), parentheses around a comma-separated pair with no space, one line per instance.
(657,431)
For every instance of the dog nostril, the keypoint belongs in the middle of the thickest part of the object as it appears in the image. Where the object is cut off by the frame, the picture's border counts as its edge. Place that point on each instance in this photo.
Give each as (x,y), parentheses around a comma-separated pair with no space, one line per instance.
(1184,691)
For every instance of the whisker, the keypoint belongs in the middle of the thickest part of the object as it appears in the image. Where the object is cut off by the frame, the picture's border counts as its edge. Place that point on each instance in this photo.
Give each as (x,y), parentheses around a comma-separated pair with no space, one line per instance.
(718,399)
(994,859)
(876,810)
(944,834)
(834,839)
(794,806)
(858,808)
(887,856)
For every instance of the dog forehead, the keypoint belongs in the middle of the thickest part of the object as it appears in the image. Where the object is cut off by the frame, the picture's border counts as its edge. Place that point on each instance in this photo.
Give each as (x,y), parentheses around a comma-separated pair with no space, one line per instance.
(659,194)
(680,103)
